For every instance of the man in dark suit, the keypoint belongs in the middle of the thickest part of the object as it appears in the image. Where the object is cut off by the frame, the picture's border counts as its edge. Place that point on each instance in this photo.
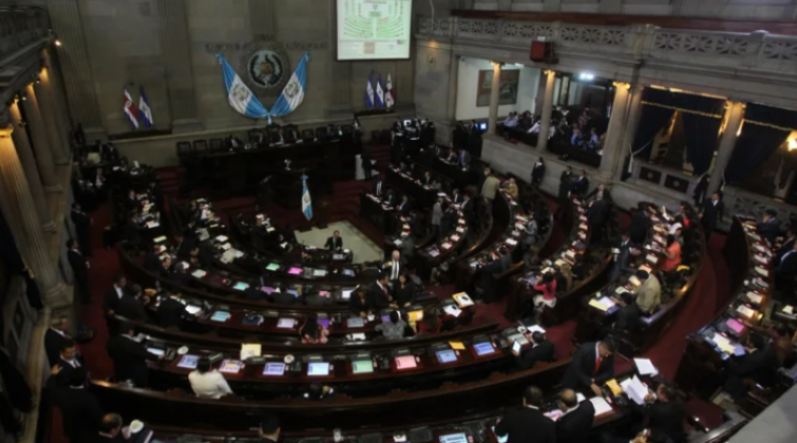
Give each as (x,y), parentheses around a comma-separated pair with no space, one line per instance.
(527,424)
(152,262)
(182,247)
(82,223)
(468,209)
(379,188)
(131,306)
(759,364)
(114,295)
(580,185)
(769,227)
(170,312)
(541,350)
(711,214)
(622,256)
(788,243)
(598,217)
(334,243)
(129,357)
(81,412)
(666,415)
(576,424)
(80,269)
(269,430)
(68,361)
(456,196)
(56,338)
(638,229)
(786,271)
(405,206)
(378,295)
(538,172)
(592,365)
(110,430)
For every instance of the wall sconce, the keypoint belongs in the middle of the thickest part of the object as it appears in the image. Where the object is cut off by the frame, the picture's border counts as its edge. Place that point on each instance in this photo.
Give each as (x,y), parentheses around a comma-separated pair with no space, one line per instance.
(792,144)
(58,43)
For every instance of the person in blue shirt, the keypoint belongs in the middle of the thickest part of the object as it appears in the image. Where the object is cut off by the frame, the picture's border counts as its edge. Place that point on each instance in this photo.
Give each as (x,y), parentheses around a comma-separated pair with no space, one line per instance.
(577,139)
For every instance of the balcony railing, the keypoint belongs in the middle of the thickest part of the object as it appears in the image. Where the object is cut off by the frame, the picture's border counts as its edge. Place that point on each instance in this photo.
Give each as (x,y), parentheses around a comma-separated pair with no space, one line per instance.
(20,26)
(759,50)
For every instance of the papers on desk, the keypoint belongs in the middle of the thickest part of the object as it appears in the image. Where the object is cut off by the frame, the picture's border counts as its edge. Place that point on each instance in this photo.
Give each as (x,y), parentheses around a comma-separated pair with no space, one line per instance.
(511,241)
(357,336)
(286,323)
(754,298)
(761,271)
(221,239)
(455,237)
(461,221)
(652,258)
(152,224)
(460,229)
(397,242)
(788,309)
(621,290)
(270,229)
(601,406)
(160,239)
(746,311)
(457,345)
(231,366)
(463,300)
(446,245)
(535,328)
(723,343)
(554,415)
(759,248)
(452,310)
(433,253)
(645,367)
(250,350)
(603,303)
(614,387)
(220,316)
(635,390)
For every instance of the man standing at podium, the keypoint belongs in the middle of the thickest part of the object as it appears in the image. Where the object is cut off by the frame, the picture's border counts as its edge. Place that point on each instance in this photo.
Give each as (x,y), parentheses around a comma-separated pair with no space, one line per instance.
(334,243)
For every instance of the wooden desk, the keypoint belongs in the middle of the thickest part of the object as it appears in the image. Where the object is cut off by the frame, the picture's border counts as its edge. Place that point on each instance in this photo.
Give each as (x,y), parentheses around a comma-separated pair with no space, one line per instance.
(701,368)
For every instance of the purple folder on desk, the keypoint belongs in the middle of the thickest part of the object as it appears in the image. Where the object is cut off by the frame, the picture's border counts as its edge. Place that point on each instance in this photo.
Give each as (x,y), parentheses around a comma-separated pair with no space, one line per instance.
(735,326)
(295,271)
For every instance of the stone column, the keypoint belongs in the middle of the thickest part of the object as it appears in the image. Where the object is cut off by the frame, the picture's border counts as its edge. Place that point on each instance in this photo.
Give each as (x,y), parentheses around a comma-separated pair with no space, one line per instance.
(25,154)
(547,110)
(176,49)
(41,143)
(18,205)
(48,111)
(734,114)
(631,126)
(453,84)
(495,93)
(613,144)
(74,60)
(51,81)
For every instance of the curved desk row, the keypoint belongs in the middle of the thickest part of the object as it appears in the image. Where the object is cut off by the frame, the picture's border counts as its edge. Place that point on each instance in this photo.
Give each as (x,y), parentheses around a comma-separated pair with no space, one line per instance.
(750,264)
(601,308)
(576,248)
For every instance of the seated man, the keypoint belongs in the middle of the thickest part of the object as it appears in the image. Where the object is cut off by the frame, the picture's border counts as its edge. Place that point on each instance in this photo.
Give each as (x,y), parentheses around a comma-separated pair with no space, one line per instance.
(769,227)
(759,364)
(541,350)
(576,424)
(334,243)
(129,357)
(527,424)
(592,366)
(665,413)
(648,295)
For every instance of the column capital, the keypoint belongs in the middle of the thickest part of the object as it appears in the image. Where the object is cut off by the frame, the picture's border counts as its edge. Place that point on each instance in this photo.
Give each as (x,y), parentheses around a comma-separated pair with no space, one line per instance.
(6,131)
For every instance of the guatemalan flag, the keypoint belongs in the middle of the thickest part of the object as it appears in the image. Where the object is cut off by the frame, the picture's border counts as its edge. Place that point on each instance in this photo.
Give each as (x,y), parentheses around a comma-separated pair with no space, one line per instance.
(144,111)
(307,203)
(239,95)
(130,109)
(293,93)
(369,93)
(389,101)
(380,93)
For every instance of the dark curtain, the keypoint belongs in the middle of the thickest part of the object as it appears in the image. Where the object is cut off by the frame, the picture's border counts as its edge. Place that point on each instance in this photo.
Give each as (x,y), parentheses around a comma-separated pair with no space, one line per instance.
(702,134)
(757,143)
(652,120)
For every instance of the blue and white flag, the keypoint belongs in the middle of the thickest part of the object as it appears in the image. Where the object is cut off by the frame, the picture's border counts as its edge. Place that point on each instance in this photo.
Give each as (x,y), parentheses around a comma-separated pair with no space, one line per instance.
(369,93)
(389,101)
(307,203)
(239,95)
(293,93)
(130,109)
(144,111)
(380,93)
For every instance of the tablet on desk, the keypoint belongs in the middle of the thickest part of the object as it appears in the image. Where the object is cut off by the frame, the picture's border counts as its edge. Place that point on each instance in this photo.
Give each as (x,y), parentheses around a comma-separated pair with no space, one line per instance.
(272,267)
(318,369)
(294,271)
(156,351)
(191,309)
(241,286)
(345,294)
(188,361)
(355,322)
(406,362)
(362,367)
(446,356)
(220,316)
(276,369)
(483,348)
(459,437)
(516,347)
(348,272)
(286,323)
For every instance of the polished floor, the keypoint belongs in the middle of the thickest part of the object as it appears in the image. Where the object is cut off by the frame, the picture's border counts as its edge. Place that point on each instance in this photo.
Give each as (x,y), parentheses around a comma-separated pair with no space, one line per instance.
(362,247)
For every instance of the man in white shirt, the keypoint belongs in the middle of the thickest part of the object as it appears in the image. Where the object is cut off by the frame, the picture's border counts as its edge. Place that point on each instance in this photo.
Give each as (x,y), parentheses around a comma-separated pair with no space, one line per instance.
(394,267)
(511,120)
(207,383)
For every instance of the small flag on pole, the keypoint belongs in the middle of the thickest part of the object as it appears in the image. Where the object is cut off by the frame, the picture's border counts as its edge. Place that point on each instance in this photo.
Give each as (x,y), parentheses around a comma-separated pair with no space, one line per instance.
(130,109)
(369,93)
(380,93)
(389,101)
(307,203)
(144,111)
